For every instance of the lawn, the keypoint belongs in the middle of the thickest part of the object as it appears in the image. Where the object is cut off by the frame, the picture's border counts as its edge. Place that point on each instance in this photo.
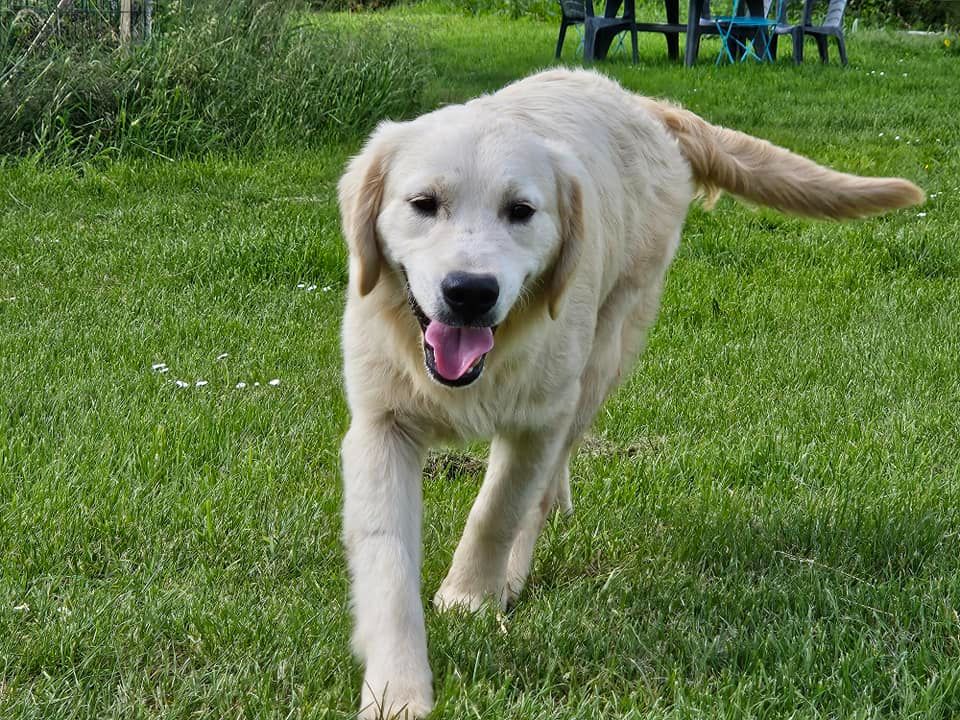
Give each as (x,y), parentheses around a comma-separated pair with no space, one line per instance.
(767,514)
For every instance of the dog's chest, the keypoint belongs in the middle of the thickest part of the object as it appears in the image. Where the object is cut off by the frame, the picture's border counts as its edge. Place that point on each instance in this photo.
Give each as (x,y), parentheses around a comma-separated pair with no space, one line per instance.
(492,407)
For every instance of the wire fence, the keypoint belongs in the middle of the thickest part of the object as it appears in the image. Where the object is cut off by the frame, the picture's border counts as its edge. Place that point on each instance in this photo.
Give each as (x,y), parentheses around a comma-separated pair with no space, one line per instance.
(30,23)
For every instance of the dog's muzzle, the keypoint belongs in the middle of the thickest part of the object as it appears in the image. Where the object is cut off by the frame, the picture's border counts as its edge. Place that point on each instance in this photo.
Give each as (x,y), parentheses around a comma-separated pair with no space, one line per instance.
(454,355)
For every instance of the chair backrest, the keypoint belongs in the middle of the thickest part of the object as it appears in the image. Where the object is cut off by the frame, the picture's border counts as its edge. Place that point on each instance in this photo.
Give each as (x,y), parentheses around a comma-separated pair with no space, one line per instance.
(835,10)
(575,9)
(834,14)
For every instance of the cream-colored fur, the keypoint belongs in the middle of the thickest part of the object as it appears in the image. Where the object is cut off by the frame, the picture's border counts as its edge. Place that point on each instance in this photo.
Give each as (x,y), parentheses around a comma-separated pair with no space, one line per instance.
(611,175)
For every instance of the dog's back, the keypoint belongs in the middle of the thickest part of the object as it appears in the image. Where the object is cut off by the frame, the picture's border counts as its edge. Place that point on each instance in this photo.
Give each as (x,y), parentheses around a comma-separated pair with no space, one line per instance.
(585,107)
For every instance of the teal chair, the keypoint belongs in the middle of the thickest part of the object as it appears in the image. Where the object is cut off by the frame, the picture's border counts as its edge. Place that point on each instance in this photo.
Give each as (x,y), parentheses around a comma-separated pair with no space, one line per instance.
(748,32)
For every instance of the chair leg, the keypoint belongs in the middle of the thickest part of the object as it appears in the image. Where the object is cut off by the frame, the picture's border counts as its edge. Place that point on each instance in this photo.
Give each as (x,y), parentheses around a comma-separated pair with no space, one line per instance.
(767,36)
(673,46)
(798,46)
(691,48)
(589,41)
(822,47)
(619,37)
(563,34)
(842,47)
(633,40)
(673,39)
(732,55)
(772,47)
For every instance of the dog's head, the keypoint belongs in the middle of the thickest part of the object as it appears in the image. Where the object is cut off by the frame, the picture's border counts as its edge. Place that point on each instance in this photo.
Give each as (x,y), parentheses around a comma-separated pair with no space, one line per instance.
(474,214)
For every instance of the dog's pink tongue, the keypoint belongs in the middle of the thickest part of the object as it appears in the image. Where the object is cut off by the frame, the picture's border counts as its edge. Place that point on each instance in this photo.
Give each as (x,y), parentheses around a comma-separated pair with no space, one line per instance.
(455,349)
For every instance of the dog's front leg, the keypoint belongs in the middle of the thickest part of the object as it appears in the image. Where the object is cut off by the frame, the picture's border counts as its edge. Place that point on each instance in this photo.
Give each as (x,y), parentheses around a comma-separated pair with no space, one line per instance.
(381,520)
(519,470)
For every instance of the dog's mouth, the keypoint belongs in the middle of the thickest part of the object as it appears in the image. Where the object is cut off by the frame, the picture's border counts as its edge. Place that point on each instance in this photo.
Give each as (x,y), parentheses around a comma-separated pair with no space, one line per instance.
(454,356)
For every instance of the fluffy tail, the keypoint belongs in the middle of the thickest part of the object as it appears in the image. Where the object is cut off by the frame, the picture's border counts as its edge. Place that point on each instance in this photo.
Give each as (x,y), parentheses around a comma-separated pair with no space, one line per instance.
(761,172)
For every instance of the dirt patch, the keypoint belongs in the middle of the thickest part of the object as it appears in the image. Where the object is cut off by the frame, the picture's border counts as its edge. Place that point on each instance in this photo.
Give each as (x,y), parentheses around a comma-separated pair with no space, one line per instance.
(452,465)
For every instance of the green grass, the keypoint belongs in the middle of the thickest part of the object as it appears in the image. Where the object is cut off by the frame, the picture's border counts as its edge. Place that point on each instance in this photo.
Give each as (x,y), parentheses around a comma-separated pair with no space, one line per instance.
(767,515)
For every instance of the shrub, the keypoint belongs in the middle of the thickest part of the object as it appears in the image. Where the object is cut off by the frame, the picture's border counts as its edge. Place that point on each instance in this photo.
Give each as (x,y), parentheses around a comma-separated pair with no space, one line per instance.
(920,14)
(242,75)
(540,9)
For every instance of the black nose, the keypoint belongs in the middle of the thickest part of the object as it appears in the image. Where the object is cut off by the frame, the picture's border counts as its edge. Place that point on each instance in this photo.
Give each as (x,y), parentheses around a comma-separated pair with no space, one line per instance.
(470,296)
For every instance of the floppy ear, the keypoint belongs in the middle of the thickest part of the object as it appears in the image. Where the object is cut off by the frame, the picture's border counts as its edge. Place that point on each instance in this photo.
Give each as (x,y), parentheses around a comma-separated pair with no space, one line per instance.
(360,193)
(570,209)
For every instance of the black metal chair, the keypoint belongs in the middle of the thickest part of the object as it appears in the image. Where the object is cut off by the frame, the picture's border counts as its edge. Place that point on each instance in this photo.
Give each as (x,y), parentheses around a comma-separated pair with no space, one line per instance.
(832,26)
(572,12)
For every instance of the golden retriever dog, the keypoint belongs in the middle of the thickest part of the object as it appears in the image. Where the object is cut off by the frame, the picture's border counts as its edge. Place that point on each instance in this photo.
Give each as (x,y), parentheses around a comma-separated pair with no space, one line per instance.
(507,258)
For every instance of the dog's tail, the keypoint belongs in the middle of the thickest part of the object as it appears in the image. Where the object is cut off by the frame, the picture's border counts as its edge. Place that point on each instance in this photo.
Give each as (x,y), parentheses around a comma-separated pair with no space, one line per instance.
(761,172)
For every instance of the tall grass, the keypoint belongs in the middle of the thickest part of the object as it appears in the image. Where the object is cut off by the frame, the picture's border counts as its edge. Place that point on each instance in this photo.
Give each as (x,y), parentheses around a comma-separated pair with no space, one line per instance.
(235,76)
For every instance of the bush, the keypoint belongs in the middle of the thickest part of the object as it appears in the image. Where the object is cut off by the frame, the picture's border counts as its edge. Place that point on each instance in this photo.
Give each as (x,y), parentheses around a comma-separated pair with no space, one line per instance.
(919,14)
(242,75)
(539,9)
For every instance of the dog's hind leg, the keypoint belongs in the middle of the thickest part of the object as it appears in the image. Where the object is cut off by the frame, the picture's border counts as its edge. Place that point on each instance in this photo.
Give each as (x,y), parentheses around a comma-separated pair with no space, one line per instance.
(620,334)
(518,474)
(557,494)
(597,382)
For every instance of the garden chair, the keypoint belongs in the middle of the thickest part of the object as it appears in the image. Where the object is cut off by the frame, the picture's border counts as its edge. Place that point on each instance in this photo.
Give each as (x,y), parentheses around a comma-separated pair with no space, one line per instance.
(783,27)
(832,26)
(747,32)
(705,26)
(572,12)
(595,25)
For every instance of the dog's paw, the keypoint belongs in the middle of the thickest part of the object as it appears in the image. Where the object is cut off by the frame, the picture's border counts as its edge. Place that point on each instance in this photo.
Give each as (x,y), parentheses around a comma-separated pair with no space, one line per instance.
(395,701)
(471,599)
(446,600)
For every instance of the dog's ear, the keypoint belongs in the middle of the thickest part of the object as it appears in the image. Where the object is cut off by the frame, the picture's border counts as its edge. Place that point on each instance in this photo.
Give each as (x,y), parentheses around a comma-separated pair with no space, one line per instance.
(570,209)
(360,193)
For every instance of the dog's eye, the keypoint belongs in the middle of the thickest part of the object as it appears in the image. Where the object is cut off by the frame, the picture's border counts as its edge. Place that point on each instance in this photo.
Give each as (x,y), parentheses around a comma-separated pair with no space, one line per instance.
(519,212)
(425,204)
